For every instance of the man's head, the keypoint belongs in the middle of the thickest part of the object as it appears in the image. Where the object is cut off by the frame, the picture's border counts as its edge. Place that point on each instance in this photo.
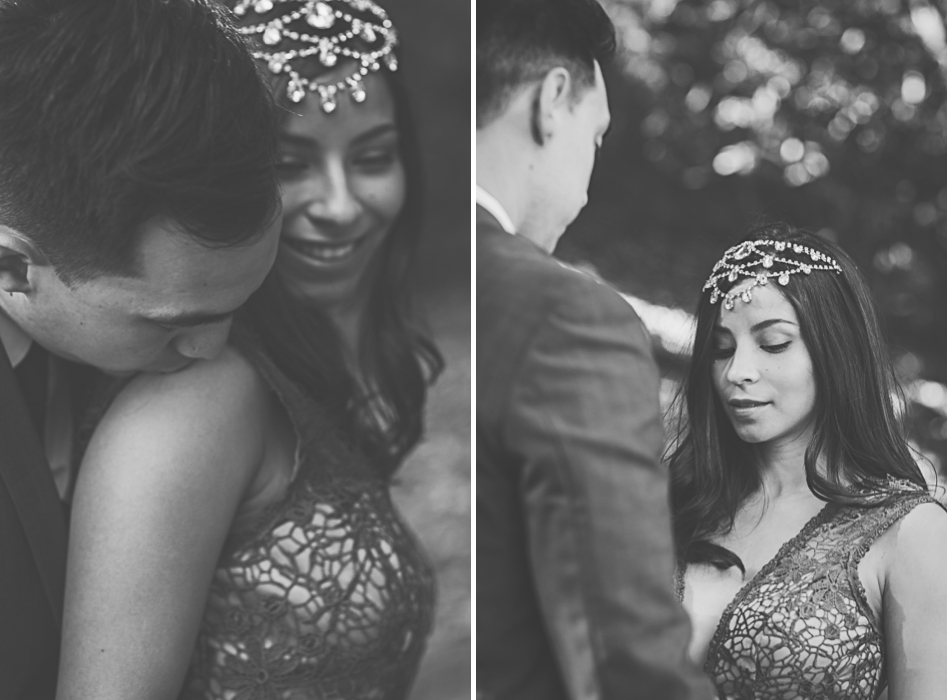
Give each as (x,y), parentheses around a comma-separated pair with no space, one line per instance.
(137,152)
(540,89)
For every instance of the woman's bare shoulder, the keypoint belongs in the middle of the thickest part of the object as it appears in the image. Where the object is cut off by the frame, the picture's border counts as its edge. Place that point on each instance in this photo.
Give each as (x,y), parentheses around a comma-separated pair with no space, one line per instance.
(212,410)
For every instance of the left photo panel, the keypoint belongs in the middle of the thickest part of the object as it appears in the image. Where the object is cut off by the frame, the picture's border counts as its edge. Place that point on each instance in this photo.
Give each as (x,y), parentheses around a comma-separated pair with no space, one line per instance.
(235,316)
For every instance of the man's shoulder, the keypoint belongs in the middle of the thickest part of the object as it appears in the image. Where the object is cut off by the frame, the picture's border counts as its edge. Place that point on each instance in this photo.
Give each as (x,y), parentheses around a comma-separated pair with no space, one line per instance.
(512,269)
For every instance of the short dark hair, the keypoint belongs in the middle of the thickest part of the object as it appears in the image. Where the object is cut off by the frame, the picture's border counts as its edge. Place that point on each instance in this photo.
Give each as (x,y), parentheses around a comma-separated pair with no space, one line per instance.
(518,41)
(115,113)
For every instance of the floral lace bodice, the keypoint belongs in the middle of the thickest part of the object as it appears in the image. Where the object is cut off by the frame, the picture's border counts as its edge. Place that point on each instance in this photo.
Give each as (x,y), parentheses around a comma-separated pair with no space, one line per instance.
(328,597)
(802,627)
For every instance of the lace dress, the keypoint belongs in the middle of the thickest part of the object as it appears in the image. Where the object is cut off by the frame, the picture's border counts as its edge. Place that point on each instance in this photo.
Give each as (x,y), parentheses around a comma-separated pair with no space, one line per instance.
(802,627)
(328,596)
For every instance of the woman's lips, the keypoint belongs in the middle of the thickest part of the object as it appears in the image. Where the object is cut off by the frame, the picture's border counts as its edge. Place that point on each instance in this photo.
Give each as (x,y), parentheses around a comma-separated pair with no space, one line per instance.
(326,252)
(745,408)
(746,403)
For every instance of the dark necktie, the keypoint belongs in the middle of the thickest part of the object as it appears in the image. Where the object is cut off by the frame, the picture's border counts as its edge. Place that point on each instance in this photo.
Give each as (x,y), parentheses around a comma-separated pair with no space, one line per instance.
(31,375)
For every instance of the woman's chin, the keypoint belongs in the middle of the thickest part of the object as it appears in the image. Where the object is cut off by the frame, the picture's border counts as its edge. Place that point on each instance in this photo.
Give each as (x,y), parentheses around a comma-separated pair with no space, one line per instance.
(753,435)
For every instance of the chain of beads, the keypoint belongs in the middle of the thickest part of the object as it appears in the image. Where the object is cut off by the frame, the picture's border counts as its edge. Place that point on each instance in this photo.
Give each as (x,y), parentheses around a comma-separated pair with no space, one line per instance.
(748,260)
(319,14)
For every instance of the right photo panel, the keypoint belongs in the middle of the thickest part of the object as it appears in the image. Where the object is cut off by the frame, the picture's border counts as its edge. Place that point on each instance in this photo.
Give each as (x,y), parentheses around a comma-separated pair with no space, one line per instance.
(711,350)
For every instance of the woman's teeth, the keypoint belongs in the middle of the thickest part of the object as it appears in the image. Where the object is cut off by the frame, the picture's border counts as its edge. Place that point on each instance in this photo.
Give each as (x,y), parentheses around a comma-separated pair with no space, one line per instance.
(326,252)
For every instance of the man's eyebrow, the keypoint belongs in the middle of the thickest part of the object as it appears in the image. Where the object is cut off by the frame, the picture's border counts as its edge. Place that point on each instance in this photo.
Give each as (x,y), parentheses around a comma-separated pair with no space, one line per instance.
(189,320)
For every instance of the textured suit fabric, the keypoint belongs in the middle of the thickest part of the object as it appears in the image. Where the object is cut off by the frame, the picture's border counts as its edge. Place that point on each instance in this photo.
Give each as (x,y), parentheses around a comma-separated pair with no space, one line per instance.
(574,552)
(32,554)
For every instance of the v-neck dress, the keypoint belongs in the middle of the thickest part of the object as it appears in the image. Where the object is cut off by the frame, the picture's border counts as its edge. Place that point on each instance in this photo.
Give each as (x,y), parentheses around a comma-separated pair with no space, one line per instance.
(802,627)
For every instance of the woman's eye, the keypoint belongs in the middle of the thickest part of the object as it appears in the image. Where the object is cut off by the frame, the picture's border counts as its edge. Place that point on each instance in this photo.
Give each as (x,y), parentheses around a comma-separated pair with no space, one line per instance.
(375,160)
(776,348)
(290,165)
(722,353)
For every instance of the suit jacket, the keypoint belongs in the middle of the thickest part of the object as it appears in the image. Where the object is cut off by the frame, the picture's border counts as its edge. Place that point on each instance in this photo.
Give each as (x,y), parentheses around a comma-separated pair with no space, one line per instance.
(574,551)
(32,553)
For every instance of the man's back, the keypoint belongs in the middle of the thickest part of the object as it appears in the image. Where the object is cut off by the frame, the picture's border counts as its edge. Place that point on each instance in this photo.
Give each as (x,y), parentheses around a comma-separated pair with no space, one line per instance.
(510,628)
(574,555)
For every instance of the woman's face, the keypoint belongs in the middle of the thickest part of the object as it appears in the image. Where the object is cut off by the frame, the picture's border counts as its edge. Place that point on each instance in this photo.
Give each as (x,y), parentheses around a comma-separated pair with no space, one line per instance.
(343,186)
(762,370)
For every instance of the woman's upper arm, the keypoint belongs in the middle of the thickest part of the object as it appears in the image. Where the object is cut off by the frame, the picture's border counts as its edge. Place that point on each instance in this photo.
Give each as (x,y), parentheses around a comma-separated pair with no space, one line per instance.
(155,498)
(915,605)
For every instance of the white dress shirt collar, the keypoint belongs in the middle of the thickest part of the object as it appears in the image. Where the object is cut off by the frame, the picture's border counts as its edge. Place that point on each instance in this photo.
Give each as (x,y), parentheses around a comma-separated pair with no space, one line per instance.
(492,205)
(15,342)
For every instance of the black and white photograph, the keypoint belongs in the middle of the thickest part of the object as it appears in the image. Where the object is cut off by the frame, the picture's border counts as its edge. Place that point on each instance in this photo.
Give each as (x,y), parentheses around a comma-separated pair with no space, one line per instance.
(711,388)
(235,314)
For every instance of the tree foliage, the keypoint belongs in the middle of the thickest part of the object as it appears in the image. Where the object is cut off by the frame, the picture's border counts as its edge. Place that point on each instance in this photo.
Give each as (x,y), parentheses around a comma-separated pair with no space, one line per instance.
(830,115)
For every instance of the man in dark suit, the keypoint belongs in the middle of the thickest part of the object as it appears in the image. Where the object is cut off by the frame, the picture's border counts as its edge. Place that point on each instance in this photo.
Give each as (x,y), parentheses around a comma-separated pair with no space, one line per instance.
(574,551)
(138,210)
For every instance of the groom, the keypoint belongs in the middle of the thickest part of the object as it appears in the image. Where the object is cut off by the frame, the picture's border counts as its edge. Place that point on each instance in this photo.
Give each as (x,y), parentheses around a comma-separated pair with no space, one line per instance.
(574,553)
(138,210)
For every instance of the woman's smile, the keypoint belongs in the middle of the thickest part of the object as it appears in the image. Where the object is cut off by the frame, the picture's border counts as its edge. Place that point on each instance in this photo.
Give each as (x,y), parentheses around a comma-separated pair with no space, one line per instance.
(324,252)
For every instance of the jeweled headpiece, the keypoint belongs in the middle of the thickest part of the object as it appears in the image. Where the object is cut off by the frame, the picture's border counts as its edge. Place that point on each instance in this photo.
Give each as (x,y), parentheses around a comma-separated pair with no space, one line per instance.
(329,29)
(761,261)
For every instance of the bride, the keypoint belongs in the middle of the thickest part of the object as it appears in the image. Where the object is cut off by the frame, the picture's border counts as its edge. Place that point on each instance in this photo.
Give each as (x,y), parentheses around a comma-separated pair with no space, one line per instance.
(810,550)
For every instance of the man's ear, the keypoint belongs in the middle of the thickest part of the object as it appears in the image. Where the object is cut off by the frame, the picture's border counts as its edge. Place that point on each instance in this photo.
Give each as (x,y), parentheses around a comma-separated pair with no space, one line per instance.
(17,255)
(554,96)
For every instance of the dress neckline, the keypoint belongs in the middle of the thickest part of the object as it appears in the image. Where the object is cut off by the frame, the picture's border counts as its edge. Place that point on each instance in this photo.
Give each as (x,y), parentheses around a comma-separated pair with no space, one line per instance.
(789,545)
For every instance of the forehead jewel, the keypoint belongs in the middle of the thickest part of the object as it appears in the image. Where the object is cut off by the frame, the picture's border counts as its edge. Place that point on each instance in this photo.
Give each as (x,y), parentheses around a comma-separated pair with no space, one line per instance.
(761,261)
(290,31)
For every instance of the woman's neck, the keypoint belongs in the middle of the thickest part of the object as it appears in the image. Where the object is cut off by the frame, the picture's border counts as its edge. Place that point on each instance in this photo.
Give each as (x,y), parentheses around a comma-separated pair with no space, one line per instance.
(783,466)
(348,319)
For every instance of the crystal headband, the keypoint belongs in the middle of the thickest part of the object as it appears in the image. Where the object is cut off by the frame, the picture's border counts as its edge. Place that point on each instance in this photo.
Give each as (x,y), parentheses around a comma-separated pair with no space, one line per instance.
(756,260)
(331,31)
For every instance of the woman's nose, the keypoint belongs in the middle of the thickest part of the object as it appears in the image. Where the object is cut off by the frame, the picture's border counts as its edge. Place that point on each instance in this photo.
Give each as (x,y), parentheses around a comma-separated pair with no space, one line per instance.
(332,199)
(742,368)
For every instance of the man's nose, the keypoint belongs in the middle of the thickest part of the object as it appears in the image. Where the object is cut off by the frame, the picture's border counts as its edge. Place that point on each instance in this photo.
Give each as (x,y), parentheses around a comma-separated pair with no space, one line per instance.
(204,343)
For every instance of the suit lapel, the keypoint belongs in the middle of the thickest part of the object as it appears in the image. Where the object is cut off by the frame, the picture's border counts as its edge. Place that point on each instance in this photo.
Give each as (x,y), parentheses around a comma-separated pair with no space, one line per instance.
(26,475)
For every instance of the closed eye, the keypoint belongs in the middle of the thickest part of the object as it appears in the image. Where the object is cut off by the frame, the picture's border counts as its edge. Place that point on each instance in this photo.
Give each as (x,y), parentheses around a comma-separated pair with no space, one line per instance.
(288,165)
(378,159)
(773,349)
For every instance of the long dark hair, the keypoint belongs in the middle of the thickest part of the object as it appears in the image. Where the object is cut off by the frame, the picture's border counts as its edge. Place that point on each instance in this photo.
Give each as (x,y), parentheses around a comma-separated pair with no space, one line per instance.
(858,436)
(397,358)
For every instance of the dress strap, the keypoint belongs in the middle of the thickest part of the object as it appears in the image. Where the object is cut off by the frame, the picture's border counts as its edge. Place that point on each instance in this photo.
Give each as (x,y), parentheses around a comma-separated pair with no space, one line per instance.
(871,523)
(321,447)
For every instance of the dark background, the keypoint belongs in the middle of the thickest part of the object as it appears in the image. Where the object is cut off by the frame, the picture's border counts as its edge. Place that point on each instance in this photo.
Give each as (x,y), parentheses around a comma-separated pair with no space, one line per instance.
(435,47)
(433,487)
(834,115)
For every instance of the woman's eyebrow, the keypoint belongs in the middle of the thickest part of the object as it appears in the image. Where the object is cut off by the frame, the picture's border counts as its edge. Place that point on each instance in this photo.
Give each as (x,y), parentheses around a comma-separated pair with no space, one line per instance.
(375,132)
(769,322)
